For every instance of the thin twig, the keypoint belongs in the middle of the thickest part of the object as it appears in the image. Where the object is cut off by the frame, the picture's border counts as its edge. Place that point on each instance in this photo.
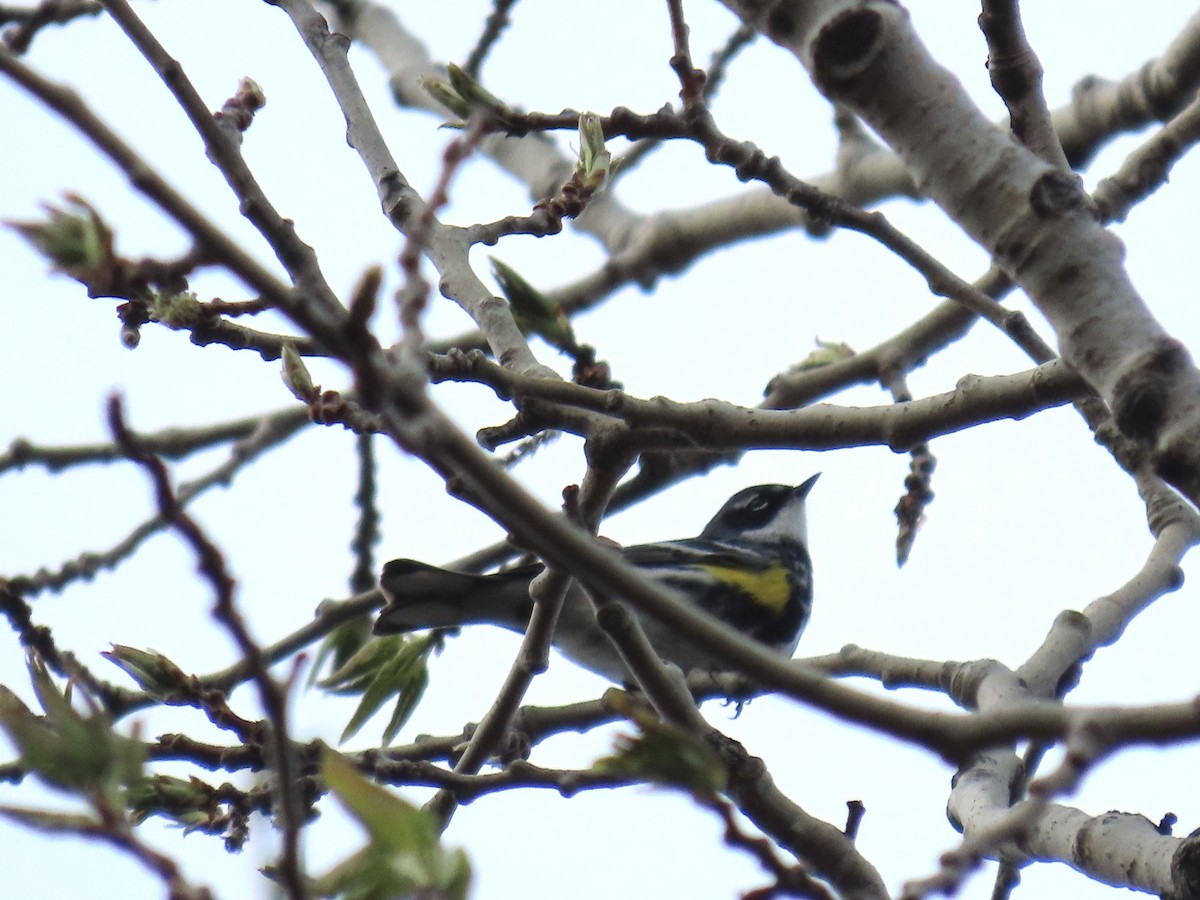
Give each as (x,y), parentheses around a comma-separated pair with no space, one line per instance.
(169,443)
(366,534)
(918,494)
(412,296)
(272,696)
(268,433)
(30,20)
(497,21)
(751,163)
(222,140)
(215,242)
(718,67)
(691,79)
(39,638)
(549,593)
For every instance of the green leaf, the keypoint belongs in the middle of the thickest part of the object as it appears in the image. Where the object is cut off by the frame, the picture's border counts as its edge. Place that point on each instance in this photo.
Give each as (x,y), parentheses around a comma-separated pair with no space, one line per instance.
(393,666)
(665,754)
(474,93)
(404,856)
(353,675)
(389,820)
(66,749)
(340,646)
(407,702)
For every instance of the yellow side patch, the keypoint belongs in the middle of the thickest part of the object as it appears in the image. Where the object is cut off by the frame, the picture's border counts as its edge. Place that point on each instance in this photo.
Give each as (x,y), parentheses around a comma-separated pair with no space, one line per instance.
(770,588)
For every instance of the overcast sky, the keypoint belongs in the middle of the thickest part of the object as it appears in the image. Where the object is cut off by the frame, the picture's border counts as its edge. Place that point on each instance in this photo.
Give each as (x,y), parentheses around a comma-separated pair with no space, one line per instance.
(1030,518)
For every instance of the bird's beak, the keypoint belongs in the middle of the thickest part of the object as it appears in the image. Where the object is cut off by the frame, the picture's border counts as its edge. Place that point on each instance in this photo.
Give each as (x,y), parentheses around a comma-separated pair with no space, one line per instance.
(804,488)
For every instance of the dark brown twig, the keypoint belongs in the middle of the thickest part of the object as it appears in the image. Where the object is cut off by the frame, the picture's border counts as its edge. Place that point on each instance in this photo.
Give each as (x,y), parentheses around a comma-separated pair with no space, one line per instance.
(64,664)
(750,163)
(718,67)
(497,21)
(30,20)
(215,244)
(318,307)
(918,494)
(855,811)
(691,79)
(366,534)
(273,697)
(548,592)
(791,880)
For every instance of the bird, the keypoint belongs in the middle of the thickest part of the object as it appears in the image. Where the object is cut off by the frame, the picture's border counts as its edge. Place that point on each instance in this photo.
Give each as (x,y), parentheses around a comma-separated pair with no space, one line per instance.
(749,567)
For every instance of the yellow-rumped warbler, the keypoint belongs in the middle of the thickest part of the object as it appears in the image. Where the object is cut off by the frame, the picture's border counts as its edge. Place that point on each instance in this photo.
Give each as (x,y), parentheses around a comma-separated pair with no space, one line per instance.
(749,568)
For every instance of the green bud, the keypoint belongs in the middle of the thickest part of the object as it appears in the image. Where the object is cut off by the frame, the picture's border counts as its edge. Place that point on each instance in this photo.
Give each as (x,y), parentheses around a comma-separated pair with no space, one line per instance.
(595,162)
(179,311)
(443,93)
(827,352)
(153,672)
(474,93)
(74,238)
(533,313)
(185,801)
(295,376)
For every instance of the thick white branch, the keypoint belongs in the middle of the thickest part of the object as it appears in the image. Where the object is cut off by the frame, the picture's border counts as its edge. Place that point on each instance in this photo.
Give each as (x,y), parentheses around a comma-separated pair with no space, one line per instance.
(1034,219)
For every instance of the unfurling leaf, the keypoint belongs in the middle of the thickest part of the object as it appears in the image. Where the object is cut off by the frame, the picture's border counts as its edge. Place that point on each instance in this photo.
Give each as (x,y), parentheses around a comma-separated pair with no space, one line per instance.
(392,666)
(153,672)
(73,237)
(339,646)
(184,801)
(445,94)
(665,754)
(533,313)
(403,857)
(827,352)
(474,93)
(182,310)
(595,164)
(67,749)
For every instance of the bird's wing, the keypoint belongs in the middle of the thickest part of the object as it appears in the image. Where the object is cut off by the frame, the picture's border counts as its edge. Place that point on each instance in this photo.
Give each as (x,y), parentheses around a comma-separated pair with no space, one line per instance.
(691,552)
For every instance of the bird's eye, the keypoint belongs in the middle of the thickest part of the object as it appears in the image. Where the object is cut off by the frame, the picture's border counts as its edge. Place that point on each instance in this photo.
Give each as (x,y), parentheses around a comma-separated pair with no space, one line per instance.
(749,511)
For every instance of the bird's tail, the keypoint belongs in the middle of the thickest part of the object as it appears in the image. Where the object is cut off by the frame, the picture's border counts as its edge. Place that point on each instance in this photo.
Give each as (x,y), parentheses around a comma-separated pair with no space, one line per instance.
(424,596)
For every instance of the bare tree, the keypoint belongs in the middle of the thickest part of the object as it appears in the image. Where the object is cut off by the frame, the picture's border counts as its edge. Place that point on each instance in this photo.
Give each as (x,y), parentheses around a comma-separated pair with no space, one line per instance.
(359,303)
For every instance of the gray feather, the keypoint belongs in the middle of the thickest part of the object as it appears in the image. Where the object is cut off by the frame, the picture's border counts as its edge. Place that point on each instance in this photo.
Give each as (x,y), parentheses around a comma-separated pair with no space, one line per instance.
(424,596)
